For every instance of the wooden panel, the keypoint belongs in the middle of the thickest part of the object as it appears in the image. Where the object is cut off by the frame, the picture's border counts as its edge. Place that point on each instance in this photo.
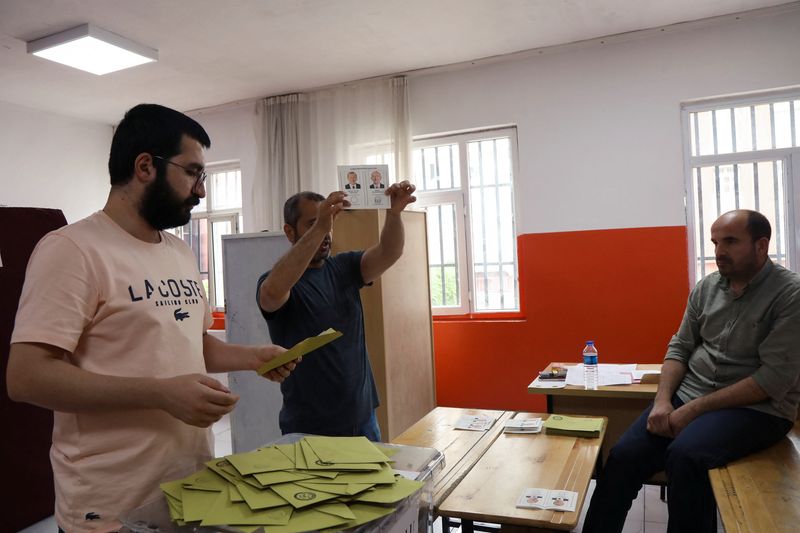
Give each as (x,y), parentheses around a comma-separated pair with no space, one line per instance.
(761,492)
(461,449)
(407,328)
(397,318)
(488,493)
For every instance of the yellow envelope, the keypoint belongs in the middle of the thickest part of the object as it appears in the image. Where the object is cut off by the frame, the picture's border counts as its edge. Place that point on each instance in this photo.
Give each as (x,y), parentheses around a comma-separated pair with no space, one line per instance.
(196,503)
(390,493)
(261,460)
(205,480)
(234,495)
(260,499)
(364,513)
(343,489)
(283,476)
(172,488)
(345,450)
(224,469)
(315,463)
(175,507)
(287,450)
(336,509)
(301,348)
(384,475)
(300,497)
(309,520)
(225,512)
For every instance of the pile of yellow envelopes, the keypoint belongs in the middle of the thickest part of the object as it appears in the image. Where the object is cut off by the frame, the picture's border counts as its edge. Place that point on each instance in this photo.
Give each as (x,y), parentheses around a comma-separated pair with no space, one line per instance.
(316,483)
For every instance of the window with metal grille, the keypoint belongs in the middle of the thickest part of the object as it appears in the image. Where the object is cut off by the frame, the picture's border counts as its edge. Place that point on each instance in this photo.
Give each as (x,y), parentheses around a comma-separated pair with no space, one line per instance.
(218,214)
(466,184)
(742,154)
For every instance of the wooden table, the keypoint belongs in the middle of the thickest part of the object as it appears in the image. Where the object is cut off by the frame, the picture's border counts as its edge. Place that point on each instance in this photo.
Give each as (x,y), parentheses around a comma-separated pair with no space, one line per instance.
(461,449)
(622,404)
(489,491)
(761,492)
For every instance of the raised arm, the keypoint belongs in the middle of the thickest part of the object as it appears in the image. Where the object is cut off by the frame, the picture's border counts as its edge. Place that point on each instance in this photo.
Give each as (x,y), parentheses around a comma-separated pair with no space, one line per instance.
(274,291)
(387,251)
(39,374)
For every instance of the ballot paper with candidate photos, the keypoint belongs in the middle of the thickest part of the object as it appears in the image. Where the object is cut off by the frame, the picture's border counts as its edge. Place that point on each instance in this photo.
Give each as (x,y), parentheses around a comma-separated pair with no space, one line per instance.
(479,422)
(552,500)
(365,185)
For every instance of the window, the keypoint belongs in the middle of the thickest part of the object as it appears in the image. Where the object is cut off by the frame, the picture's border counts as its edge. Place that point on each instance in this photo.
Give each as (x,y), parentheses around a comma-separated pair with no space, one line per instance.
(465,183)
(218,214)
(742,154)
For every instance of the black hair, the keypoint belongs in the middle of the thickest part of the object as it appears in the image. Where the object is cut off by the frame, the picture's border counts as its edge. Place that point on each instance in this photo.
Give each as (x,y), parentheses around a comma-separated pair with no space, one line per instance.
(152,129)
(757,225)
(291,209)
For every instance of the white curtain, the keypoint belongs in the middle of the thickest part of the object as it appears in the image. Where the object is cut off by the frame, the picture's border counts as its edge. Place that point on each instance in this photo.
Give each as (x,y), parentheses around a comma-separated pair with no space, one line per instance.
(279,161)
(302,138)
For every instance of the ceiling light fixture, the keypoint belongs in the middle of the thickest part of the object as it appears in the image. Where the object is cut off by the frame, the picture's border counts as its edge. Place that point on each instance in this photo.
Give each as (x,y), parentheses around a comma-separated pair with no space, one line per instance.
(92,49)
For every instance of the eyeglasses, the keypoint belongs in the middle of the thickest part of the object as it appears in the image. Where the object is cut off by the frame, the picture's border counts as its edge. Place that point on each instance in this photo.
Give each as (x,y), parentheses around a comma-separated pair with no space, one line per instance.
(198,174)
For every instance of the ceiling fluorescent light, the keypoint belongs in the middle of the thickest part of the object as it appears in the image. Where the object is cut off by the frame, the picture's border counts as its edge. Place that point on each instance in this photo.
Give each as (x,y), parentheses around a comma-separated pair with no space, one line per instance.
(92,49)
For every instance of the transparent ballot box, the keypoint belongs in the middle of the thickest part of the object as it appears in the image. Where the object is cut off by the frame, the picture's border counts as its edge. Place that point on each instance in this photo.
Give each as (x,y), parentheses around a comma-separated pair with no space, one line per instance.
(413,514)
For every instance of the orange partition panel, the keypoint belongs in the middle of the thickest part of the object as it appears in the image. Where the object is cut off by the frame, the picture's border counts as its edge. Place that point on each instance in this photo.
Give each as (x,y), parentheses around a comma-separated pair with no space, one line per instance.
(623,288)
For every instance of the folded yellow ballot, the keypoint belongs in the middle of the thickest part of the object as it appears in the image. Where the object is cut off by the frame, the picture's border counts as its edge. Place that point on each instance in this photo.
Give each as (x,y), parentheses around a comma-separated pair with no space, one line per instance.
(301,348)
(573,426)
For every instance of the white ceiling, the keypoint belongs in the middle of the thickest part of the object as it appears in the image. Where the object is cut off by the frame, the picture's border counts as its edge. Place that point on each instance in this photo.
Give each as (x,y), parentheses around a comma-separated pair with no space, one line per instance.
(213,51)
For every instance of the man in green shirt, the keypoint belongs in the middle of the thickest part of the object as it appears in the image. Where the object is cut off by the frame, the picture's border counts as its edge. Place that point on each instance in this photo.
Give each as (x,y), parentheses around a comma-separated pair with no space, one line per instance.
(730,383)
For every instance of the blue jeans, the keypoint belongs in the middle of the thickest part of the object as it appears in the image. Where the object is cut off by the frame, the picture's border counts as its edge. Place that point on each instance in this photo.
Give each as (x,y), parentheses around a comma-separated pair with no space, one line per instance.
(370,429)
(709,441)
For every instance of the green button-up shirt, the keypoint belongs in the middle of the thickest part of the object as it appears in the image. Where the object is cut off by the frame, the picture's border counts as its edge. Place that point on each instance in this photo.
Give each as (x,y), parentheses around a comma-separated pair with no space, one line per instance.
(724,339)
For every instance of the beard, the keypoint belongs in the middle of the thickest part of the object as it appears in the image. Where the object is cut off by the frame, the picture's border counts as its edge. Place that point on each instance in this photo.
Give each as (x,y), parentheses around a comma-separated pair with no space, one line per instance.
(161,206)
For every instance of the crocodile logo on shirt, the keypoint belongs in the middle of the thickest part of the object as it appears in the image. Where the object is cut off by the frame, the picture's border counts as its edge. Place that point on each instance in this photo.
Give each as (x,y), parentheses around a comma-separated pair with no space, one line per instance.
(180,315)
(91,516)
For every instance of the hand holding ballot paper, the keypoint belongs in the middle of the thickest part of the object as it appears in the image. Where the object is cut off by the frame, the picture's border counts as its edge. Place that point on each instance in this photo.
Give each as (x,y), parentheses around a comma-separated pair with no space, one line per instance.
(301,348)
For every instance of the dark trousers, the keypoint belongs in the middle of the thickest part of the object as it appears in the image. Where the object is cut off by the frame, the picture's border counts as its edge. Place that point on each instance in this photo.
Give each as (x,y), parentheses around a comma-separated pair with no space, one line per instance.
(711,440)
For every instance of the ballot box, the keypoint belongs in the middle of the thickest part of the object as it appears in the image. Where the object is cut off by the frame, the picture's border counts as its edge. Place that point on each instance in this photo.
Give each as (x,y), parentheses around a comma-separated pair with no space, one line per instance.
(413,514)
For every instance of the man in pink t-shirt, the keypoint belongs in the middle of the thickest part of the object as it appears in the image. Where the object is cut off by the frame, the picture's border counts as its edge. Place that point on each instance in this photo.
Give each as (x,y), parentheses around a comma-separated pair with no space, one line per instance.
(111,332)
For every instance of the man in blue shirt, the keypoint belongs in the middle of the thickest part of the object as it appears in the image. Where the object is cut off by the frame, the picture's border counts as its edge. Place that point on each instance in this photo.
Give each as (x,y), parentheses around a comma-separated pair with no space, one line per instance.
(333,391)
(730,383)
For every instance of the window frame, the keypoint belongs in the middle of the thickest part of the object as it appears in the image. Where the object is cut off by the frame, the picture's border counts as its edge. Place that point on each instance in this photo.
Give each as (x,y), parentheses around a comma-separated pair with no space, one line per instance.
(460,197)
(232,215)
(790,158)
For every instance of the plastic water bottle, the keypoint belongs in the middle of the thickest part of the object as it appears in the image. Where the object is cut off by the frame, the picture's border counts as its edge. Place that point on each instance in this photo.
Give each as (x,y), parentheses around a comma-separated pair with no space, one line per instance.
(590,366)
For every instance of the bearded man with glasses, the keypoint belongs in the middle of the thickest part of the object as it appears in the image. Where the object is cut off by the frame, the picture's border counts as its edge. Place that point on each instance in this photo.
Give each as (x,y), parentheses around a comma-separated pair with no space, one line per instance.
(111,332)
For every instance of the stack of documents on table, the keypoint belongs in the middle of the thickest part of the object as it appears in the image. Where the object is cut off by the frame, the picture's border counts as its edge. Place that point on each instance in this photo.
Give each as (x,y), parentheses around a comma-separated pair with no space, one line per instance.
(573,427)
(479,422)
(523,425)
(317,483)
(553,500)
(607,374)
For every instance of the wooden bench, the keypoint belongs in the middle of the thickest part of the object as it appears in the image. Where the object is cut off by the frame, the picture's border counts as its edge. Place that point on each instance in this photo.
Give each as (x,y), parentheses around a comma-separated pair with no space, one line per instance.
(761,492)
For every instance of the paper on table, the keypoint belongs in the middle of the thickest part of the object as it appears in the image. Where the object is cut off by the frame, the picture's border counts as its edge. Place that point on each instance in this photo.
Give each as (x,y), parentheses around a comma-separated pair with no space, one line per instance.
(637,374)
(607,374)
(475,422)
(301,348)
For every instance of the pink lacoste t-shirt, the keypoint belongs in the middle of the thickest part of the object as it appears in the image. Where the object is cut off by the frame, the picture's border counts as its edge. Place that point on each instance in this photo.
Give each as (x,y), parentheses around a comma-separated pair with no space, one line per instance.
(123,307)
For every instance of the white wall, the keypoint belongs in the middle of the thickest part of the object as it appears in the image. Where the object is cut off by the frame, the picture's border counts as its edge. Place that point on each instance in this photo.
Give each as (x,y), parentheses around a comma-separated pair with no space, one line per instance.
(599,128)
(50,160)
(233,138)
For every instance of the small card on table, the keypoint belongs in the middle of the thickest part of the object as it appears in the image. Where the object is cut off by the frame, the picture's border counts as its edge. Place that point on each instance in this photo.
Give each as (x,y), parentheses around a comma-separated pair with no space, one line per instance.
(551,500)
